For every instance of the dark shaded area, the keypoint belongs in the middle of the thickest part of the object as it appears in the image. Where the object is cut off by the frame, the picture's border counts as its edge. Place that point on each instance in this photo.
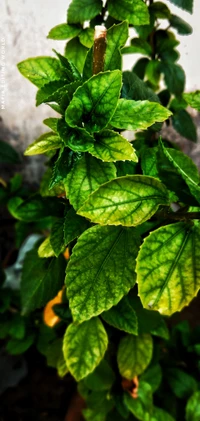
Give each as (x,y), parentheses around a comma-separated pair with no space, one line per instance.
(40,396)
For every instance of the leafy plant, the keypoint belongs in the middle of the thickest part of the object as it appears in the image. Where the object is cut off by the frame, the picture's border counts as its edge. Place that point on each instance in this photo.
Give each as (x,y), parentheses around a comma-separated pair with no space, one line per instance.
(125,212)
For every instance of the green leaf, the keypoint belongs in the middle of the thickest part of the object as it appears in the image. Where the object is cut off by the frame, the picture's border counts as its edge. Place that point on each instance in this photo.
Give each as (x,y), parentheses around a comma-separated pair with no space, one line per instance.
(102,377)
(101,259)
(128,201)
(181,383)
(85,177)
(193,99)
(167,285)
(41,280)
(140,67)
(8,154)
(35,208)
(142,406)
(95,101)
(184,125)
(40,70)
(185,167)
(135,11)
(110,146)
(51,123)
(122,317)
(64,31)
(193,408)
(180,25)
(149,162)
(76,138)
(45,249)
(76,52)
(86,37)
(57,236)
(184,4)
(17,327)
(138,45)
(84,347)
(74,225)
(153,71)
(134,355)
(160,415)
(46,142)
(63,165)
(116,38)
(135,88)
(174,77)
(52,92)
(19,346)
(133,115)
(82,10)
(152,376)
(160,10)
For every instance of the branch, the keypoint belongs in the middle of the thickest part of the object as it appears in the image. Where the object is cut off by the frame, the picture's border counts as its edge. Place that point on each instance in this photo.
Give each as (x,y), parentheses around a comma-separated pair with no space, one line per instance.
(99,49)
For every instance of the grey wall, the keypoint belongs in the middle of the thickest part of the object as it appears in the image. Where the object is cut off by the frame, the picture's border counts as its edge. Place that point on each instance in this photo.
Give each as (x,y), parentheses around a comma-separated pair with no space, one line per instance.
(24,25)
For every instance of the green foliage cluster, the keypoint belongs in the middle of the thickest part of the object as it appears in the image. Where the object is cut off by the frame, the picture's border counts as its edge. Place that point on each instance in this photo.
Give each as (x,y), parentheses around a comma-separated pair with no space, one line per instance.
(128,212)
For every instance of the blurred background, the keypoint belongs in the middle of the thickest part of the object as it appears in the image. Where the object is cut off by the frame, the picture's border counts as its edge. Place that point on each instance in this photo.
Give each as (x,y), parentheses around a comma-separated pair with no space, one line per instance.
(25,25)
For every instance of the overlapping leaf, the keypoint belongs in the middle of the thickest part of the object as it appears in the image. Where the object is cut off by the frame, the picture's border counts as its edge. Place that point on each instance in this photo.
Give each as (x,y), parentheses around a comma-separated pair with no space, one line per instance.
(81,10)
(101,270)
(122,316)
(94,102)
(85,177)
(184,4)
(142,407)
(46,142)
(134,355)
(116,38)
(40,70)
(128,201)
(168,269)
(84,347)
(64,31)
(133,115)
(135,11)
(193,99)
(110,146)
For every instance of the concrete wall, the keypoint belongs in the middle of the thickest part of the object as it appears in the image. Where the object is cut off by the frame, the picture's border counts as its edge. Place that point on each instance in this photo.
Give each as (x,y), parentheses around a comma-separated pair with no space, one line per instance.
(25,24)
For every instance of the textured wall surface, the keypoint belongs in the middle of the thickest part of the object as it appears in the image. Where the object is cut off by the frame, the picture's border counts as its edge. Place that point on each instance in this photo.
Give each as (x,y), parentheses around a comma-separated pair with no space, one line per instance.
(24,25)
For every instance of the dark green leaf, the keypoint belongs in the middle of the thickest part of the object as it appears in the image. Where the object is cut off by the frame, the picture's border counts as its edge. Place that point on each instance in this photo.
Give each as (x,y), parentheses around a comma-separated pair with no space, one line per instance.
(135,88)
(160,10)
(76,138)
(63,165)
(57,236)
(102,377)
(140,67)
(82,10)
(135,11)
(102,257)
(134,355)
(19,346)
(182,27)
(152,376)
(181,383)
(122,317)
(41,280)
(51,123)
(94,102)
(8,154)
(174,77)
(183,124)
(184,4)
(138,45)
(74,225)
(86,37)
(35,208)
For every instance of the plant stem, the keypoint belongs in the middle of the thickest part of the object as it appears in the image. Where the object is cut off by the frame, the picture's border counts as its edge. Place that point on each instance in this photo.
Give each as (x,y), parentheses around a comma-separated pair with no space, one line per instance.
(99,49)
(178,216)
